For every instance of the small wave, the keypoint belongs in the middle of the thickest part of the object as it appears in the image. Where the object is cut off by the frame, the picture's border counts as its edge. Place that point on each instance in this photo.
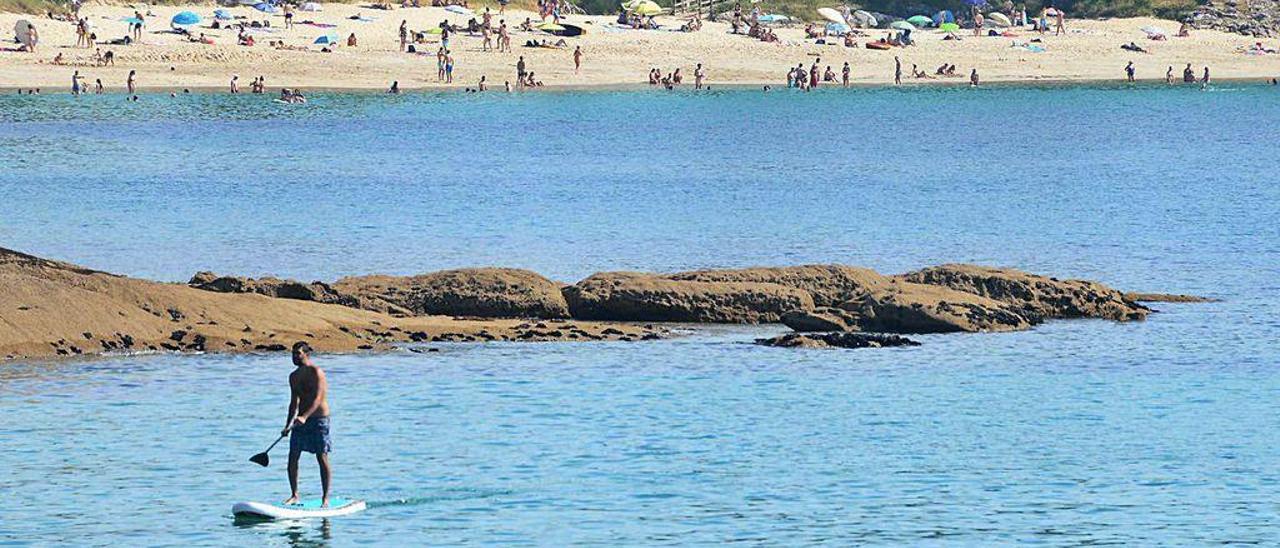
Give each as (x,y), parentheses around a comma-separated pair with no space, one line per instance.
(444,495)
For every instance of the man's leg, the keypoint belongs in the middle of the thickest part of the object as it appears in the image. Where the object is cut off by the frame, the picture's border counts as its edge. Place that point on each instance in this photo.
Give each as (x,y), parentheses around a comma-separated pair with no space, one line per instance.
(323,459)
(293,477)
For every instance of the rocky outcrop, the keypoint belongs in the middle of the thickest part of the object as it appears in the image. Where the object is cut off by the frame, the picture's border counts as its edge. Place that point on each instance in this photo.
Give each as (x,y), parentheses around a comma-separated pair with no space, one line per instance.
(821,319)
(1260,18)
(50,309)
(1166,298)
(829,285)
(836,340)
(630,296)
(906,307)
(1036,297)
(474,292)
(319,292)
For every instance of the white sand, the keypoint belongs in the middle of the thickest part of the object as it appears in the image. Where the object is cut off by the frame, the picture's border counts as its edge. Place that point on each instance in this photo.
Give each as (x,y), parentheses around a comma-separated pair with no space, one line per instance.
(1090,51)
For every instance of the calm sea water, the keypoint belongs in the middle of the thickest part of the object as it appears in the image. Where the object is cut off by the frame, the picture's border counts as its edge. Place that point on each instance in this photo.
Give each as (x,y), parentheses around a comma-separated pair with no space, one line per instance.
(1076,432)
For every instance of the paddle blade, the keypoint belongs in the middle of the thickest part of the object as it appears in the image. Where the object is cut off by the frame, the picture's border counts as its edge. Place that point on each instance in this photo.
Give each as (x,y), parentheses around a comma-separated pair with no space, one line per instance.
(261,459)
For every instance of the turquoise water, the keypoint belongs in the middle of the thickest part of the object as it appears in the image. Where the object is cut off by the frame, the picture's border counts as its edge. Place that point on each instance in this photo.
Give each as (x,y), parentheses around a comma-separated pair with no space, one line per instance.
(1076,432)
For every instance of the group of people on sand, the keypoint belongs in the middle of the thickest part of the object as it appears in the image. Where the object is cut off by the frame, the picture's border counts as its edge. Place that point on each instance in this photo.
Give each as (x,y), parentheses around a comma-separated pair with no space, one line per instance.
(675,78)
(806,80)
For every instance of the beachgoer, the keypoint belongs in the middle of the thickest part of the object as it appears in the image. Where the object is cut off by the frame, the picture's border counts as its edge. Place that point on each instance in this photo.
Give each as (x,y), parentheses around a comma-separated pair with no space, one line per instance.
(75,83)
(1060,25)
(520,71)
(1168,75)
(97,86)
(1128,70)
(308,422)
(699,74)
(844,74)
(448,68)
(395,87)
(235,86)
(482,86)
(1204,82)
(130,82)
(288,15)
(577,59)
(404,35)
(897,70)
(973,78)
(1188,75)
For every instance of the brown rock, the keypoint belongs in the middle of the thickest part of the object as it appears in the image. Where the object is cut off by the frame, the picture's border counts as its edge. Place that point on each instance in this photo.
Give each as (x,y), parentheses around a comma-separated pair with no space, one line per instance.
(821,319)
(917,308)
(836,340)
(629,296)
(828,284)
(1167,298)
(476,292)
(1037,297)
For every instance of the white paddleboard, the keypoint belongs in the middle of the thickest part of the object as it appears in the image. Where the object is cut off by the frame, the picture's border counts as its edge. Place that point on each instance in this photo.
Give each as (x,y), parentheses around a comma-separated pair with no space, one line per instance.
(306,509)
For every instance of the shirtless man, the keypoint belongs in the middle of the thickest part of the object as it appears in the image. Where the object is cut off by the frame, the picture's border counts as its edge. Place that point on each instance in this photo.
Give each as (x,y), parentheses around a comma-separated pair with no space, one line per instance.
(308,422)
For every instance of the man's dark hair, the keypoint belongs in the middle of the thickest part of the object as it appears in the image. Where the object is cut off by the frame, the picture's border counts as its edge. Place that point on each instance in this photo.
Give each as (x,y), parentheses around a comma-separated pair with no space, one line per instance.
(301,346)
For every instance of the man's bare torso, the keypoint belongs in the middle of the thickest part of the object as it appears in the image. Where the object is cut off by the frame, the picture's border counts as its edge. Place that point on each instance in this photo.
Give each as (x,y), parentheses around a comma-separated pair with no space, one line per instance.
(305,383)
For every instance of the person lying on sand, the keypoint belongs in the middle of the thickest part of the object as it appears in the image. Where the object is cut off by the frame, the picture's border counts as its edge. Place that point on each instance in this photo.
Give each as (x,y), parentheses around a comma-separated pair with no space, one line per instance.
(1131,46)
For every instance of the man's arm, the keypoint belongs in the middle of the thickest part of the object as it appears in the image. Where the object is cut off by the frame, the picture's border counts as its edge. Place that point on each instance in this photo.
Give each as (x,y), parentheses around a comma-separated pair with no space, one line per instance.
(293,405)
(322,388)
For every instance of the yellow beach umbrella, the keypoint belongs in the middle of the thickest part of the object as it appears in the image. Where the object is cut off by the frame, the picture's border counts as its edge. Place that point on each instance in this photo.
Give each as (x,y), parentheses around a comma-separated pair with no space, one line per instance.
(550,27)
(647,7)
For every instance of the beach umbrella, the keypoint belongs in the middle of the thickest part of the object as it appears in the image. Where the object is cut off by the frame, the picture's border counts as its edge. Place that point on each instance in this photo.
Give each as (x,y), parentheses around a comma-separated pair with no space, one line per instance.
(550,27)
(866,19)
(647,7)
(948,27)
(311,6)
(902,25)
(264,7)
(184,19)
(944,16)
(831,15)
(327,39)
(920,21)
(1000,19)
(630,4)
(22,31)
(837,28)
(1051,12)
(222,15)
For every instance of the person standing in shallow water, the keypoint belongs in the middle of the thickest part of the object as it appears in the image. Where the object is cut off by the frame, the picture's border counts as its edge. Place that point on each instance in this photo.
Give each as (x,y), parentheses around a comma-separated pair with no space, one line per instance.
(1128,71)
(308,422)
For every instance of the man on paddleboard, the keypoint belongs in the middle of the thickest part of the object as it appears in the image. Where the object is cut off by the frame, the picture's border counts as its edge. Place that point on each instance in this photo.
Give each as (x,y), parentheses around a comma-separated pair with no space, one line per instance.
(308,422)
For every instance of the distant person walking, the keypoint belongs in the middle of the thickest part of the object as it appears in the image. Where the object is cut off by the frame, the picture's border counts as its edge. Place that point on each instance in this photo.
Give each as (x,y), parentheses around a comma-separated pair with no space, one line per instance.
(131,81)
(1128,70)
(897,70)
(577,59)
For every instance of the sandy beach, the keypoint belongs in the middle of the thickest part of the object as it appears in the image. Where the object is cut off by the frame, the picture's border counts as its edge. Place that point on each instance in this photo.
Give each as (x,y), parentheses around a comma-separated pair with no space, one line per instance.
(1090,50)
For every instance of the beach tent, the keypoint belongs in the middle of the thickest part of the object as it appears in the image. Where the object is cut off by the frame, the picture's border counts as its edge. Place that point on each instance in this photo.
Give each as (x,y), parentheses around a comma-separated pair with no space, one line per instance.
(831,14)
(185,19)
(920,21)
(264,7)
(222,15)
(999,19)
(647,8)
(944,16)
(837,29)
(311,6)
(902,25)
(327,39)
(948,27)
(22,30)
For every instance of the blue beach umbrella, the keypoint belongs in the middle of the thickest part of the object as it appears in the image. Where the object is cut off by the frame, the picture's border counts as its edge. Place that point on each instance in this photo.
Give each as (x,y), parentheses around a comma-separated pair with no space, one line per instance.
(265,7)
(222,15)
(184,19)
(327,39)
(838,29)
(944,16)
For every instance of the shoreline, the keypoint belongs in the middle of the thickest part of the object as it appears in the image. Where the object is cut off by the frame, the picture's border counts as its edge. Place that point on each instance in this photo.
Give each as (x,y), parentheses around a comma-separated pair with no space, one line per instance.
(1083,83)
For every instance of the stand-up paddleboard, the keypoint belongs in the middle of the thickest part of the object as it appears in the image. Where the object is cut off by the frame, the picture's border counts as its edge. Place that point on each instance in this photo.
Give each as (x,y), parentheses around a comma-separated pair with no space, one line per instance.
(306,509)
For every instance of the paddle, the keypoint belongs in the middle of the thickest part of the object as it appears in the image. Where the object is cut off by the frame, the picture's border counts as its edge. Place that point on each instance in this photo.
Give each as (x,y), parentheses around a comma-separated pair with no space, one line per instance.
(262,459)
